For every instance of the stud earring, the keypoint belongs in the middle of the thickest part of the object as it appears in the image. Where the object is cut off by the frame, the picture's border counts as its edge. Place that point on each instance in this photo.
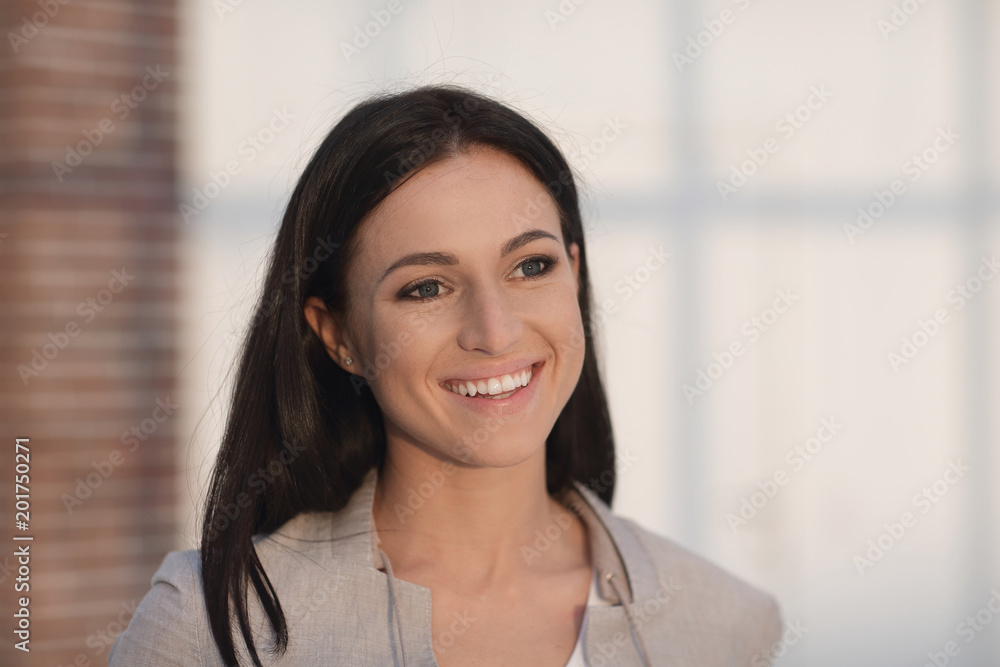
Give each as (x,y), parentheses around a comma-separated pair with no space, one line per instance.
(348,361)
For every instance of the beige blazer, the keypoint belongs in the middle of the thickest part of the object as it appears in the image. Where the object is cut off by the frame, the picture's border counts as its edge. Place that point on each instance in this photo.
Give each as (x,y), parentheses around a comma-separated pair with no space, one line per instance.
(667,605)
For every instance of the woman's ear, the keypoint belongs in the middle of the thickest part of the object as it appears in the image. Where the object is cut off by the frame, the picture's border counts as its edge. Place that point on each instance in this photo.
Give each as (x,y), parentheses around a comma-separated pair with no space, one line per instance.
(331,332)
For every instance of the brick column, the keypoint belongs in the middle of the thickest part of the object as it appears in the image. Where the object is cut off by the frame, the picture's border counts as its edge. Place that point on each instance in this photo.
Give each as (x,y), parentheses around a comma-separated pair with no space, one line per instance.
(89,273)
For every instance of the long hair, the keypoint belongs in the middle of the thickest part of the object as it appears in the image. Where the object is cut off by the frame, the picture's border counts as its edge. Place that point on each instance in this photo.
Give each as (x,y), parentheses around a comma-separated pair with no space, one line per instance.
(302,432)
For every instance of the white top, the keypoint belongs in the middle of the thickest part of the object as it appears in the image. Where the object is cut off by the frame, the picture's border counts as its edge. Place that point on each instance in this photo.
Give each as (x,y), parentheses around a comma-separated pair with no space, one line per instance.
(576,659)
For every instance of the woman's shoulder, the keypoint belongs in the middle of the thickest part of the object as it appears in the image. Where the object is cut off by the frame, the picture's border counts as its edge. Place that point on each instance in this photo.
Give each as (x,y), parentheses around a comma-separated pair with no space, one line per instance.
(307,560)
(170,624)
(711,600)
(696,570)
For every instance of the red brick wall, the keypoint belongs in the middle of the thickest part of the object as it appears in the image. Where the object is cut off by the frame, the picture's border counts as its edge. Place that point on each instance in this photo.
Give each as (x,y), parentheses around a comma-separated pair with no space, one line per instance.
(89,273)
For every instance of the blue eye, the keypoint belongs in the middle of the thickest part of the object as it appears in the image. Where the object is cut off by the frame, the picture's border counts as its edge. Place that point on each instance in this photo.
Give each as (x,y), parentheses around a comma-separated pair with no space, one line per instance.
(429,289)
(532,267)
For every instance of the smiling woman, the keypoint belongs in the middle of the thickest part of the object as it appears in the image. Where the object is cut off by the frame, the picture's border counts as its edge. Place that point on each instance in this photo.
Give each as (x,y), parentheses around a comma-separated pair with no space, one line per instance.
(404,475)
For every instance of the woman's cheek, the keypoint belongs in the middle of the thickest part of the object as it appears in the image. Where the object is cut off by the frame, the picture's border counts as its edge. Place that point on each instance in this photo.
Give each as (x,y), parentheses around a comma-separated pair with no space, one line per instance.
(561,310)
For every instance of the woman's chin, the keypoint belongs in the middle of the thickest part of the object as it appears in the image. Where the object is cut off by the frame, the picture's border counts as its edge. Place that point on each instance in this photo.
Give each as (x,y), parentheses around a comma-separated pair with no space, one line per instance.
(495,455)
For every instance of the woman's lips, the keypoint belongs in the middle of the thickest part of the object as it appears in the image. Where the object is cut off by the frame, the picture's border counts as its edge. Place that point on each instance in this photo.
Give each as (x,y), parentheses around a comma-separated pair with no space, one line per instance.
(495,387)
(505,402)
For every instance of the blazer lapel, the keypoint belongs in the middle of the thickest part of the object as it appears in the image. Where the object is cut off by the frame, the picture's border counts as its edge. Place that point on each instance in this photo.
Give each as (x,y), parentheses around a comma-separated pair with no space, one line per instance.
(609,639)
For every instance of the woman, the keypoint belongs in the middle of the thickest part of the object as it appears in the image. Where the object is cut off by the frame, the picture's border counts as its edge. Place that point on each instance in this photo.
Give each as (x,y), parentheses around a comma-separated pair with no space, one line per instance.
(419,460)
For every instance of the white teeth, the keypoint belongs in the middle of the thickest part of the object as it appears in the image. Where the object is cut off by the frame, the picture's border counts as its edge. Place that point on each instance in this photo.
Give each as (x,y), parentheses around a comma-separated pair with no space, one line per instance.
(492,386)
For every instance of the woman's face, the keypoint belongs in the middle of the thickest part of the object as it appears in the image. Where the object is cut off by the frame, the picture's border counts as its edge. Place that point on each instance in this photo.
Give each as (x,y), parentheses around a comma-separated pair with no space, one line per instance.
(462,276)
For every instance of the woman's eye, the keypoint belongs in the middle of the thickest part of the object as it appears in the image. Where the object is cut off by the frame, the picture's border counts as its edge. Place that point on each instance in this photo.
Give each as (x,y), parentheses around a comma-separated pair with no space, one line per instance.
(426,291)
(532,267)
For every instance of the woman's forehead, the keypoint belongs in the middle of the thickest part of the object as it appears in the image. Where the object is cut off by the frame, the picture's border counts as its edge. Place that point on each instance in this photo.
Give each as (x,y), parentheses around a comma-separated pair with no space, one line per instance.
(473,201)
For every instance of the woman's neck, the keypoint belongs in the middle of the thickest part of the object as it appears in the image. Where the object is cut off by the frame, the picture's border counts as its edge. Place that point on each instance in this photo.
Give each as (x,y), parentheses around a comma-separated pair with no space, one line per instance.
(493,526)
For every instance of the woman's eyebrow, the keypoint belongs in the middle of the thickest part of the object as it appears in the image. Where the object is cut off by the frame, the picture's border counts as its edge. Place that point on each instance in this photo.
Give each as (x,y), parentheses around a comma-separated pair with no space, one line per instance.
(448,259)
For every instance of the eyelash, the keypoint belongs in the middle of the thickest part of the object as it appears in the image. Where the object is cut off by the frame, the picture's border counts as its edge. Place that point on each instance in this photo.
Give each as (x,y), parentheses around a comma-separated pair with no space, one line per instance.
(548,261)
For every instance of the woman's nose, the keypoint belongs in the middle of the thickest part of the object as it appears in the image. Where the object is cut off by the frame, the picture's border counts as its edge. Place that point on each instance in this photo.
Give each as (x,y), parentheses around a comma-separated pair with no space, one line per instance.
(491,322)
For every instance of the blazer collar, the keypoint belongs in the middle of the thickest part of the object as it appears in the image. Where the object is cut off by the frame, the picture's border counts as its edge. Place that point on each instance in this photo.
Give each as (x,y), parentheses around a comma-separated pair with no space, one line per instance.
(615,548)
